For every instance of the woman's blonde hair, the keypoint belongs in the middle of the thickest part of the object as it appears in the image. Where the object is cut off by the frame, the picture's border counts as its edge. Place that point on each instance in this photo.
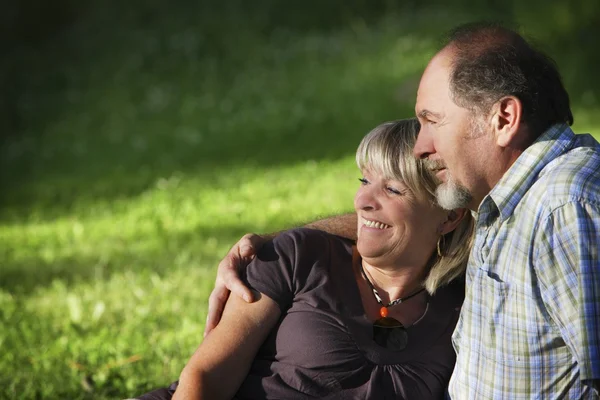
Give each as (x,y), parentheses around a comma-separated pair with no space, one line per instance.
(388,150)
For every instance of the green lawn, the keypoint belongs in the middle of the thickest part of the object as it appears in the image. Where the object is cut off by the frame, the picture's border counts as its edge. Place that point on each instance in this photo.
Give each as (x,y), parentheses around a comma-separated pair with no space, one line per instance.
(151,140)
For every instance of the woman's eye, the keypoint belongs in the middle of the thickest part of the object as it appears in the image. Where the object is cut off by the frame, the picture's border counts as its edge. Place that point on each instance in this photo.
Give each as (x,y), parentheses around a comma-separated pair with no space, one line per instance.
(393,190)
(363,181)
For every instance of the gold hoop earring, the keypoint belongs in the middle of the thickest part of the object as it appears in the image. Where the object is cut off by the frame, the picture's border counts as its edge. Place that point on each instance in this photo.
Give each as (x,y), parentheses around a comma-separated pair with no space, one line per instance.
(439,247)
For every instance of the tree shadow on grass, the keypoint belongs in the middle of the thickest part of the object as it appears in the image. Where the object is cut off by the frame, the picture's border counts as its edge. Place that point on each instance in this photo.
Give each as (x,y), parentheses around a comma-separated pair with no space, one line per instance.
(126,95)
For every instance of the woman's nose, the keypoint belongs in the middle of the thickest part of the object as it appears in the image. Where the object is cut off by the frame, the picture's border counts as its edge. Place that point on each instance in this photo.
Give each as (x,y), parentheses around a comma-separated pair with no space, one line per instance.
(366,199)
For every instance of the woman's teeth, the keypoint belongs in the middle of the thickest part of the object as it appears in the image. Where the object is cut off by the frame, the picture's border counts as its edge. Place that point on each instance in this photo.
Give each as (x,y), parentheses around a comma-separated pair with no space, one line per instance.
(375,224)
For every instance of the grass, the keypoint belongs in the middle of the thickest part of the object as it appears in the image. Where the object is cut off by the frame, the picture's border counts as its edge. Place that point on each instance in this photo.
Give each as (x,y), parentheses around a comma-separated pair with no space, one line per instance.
(150,142)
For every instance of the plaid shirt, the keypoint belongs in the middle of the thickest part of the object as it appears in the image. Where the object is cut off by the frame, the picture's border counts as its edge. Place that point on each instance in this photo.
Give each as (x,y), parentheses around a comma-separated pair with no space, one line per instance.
(530,324)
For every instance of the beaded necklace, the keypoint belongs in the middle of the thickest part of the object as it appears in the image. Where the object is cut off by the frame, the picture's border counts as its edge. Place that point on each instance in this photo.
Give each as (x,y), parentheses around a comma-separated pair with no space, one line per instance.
(384,308)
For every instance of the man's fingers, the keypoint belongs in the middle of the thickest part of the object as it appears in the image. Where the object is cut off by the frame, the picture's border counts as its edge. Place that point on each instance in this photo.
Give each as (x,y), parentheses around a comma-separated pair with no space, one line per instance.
(239,289)
(247,252)
(248,244)
(216,304)
(228,278)
(234,284)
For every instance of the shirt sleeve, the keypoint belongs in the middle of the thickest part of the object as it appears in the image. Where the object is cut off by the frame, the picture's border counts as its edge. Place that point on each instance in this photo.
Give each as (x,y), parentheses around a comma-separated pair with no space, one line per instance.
(271,272)
(568,267)
(283,268)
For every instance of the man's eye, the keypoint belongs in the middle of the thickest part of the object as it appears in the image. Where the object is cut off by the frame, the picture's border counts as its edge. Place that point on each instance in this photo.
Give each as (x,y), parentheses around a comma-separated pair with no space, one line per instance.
(363,181)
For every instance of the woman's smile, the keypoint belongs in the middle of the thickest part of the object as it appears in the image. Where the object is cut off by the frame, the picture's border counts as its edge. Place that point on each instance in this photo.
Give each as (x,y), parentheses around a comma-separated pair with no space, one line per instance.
(374,224)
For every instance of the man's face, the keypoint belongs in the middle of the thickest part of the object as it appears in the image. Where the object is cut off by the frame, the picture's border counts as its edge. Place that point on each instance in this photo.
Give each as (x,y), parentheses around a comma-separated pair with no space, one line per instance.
(453,140)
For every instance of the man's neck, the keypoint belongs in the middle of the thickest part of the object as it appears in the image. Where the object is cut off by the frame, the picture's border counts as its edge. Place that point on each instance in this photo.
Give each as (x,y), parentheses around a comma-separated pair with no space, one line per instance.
(506,158)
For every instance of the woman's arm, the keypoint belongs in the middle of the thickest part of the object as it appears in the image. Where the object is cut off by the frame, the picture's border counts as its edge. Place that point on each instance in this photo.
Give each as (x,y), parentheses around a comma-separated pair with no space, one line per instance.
(220,364)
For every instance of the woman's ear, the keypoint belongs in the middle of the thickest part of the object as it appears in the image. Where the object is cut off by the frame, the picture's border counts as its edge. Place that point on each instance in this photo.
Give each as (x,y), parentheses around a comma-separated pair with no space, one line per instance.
(453,219)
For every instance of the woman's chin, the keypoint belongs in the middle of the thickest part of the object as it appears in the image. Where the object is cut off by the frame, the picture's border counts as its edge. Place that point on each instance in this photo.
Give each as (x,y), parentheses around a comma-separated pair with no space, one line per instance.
(370,251)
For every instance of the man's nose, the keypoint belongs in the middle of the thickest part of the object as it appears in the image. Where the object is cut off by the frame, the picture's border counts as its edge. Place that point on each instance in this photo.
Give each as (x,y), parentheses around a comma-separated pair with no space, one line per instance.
(424,144)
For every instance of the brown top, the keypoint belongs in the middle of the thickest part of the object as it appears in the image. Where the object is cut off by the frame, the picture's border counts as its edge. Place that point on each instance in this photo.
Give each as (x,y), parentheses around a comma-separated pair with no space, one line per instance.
(322,346)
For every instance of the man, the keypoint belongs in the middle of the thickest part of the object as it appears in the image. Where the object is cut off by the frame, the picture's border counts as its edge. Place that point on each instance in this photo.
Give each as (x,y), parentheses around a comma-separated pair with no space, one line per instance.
(495,128)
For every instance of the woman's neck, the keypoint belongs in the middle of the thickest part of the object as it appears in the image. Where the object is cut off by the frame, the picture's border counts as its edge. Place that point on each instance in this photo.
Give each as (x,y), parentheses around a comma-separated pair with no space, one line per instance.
(393,281)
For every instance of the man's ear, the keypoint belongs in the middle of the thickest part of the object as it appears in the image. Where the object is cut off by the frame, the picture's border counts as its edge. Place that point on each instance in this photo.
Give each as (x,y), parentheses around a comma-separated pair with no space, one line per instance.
(453,219)
(506,121)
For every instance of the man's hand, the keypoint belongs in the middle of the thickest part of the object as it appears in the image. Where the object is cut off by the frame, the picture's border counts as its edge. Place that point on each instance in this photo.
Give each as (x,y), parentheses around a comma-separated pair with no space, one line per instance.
(228,278)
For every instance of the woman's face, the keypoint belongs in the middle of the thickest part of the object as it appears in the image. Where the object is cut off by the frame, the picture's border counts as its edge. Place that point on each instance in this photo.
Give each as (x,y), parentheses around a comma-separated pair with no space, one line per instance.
(395,227)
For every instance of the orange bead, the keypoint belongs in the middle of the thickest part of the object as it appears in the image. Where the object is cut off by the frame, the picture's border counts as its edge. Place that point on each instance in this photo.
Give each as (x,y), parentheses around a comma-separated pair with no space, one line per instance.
(383,312)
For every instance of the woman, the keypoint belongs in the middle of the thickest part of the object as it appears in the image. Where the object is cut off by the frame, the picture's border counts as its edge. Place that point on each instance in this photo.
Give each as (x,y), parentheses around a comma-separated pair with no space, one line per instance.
(338,320)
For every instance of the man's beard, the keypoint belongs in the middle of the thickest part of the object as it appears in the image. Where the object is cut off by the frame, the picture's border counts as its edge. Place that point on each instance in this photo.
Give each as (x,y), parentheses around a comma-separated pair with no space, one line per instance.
(451,195)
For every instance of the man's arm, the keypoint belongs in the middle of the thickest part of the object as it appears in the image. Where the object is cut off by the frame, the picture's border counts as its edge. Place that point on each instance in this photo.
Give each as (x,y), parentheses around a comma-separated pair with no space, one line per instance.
(567,266)
(228,273)
(344,225)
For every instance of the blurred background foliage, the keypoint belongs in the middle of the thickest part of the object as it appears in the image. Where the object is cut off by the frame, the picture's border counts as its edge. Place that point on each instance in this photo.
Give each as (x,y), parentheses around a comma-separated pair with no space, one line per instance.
(140,139)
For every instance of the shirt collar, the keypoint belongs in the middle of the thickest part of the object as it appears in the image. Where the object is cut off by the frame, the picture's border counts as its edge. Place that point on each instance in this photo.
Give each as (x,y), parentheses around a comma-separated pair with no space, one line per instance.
(515,182)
